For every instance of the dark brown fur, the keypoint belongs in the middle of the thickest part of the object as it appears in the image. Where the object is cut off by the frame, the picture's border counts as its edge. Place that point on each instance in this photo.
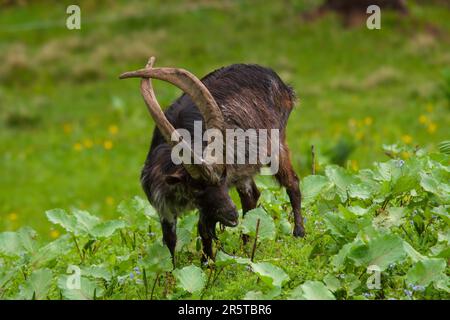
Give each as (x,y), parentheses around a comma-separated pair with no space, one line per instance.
(250,97)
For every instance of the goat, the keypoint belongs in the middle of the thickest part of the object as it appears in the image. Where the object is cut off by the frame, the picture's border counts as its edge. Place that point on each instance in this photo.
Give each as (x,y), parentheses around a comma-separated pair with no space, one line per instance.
(241,96)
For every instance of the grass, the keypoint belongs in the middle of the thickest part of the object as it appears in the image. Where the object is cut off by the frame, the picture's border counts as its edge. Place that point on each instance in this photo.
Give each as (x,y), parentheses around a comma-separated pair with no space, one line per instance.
(73,135)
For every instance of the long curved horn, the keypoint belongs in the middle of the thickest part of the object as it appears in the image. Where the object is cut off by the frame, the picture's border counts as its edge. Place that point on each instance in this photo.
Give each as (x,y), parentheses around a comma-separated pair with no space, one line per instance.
(190,84)
(199,94)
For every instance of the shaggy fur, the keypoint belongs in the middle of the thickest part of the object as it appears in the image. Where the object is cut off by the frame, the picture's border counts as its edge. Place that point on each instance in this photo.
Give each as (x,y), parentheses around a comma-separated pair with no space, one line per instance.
(250,97)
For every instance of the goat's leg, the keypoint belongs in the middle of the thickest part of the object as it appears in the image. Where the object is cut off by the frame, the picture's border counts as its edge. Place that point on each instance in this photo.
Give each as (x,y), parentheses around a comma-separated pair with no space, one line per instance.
(207,231)
(169,230)
(287,177)
(249,195)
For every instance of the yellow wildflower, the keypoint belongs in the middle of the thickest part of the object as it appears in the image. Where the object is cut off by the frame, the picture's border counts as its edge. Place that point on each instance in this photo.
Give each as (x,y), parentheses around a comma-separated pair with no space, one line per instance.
(109,201)
(113,129)
(78,146)
(107,144)
(432,127)
(12,216)
(406,138)
(423,119)
(54,234)
(368,121)
(405,155)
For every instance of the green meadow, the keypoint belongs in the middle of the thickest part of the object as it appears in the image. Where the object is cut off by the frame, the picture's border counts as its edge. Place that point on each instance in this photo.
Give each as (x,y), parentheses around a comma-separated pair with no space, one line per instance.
(74,136)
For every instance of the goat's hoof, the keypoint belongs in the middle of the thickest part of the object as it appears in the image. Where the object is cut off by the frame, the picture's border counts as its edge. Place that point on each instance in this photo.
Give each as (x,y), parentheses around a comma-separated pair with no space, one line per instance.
(299,231)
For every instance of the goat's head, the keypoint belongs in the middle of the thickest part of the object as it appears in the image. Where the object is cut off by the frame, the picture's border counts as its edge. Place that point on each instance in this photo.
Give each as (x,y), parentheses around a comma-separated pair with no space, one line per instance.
(206,180)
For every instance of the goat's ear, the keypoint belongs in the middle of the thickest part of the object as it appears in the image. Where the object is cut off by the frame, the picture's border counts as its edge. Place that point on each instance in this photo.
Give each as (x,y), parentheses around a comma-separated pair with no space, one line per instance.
(176,177)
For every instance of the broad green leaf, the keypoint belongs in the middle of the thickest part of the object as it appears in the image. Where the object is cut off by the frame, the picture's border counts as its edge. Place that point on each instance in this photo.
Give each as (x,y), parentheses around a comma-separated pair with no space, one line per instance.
(6,276)
(28,239)
(338,260)
(442,212)
(53,250)
(258,295)
(190,278)
(426,271)
(86,291)
(271,275)
(223,259)
(405,183)
(393,217)
(158,258)
(285,226)
(107,229)
(188,222)
(98,272)
(338,225)
(359,191)
(380,251)
(332,283)
(184,238)
(61,217)
(10,243)
(341,179)
(412,253)
(431,184)
(311,187)
(37,285)
(266,225)
(138,213)
(312,290)
(85,222)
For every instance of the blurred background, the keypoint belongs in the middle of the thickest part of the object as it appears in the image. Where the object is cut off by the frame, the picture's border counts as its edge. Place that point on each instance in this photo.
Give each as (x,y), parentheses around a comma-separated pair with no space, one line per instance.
(73,135)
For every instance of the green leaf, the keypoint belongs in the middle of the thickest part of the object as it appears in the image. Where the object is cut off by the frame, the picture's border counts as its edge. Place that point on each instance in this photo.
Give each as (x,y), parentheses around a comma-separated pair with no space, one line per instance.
(158,258)
(312,290)
(341,180)
(393,217)
(266,226)
(359,191)
(85,291)
(332,283)
(37,285)
(28,239)
(138,213)
(85,221)
(107,229)
(430,183)
(59,216)
(338,260)
(311,187)
(190,278)
(380,251)
(223,259)
(258,295)
(412,253)
(426,271)
(53,250)
(98,272)
(271,275)
(285,226)
(10,243)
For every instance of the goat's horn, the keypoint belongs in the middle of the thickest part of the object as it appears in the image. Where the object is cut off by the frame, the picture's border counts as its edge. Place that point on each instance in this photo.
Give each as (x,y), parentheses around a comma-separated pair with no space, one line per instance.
(198,93)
